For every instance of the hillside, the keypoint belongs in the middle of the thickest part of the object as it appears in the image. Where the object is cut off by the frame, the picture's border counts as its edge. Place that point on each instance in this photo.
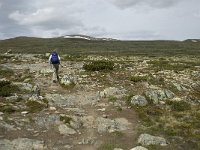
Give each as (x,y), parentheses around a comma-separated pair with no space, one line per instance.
(103,47)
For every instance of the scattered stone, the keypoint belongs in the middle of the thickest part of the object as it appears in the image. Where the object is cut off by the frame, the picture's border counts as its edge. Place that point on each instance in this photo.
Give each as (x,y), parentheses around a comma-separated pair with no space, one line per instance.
(52,108)
(112,91)
(109,125)
(179,87)
(64,129)
(117,149)
(146,139)
(12,98)
(25,86)
(67,80)
(46,71)
(24,112)
(139,100)
(89,140)
(22,144)
(139,148)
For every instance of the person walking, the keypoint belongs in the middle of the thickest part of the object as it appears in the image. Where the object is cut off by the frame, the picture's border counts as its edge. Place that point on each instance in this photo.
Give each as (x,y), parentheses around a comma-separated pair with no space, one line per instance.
(54,60)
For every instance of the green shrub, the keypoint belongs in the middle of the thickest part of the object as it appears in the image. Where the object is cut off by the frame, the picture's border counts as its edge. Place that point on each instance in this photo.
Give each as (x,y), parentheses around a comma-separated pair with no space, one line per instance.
(138,78)
(34,106)
(98,66)
(5,72)
(112,99)
(179,105)
(6,88)
(65,119)
(7,109)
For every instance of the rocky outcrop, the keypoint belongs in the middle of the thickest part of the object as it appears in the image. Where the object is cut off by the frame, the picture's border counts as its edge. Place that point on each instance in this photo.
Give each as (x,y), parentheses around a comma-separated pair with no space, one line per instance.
(156,95)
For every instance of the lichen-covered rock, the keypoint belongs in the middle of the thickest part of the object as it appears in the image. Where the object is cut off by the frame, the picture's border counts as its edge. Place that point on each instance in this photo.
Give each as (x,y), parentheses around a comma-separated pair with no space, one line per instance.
(146,139)
(157,95)
(139,100)
(67,80)
(112,91)
(109,125)
(64,129)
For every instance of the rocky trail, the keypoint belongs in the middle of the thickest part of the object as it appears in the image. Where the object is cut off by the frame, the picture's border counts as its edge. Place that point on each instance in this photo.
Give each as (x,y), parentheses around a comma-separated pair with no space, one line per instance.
(87,110)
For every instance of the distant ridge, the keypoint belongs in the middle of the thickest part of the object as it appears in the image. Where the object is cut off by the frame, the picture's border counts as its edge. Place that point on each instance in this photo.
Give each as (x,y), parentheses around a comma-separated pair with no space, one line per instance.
(90,38)
(192,40)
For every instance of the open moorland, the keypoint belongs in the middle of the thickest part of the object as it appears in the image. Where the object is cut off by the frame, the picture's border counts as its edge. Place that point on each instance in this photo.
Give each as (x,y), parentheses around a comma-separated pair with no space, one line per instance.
(112,95)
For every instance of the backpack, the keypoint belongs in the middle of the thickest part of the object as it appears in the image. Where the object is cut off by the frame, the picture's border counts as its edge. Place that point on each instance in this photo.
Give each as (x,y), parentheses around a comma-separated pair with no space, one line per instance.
(54,58)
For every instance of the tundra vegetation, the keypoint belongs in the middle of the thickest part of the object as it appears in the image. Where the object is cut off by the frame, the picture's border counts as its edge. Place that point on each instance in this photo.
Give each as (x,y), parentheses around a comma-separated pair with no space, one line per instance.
(109,94)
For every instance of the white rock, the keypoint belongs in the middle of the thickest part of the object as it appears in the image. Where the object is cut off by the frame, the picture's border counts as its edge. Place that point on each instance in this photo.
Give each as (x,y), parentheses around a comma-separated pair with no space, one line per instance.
(64,129)
(139,148)
(52,108)
(24,112)
(146,139)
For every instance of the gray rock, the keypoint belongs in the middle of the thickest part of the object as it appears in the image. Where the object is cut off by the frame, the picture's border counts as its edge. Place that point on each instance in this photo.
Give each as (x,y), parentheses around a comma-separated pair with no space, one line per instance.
(89,140)
(117,149)
(179,87)
(46,71)
(109,125)
(47,121)
(67,80)
(25,86)
(139,100)
(12,98)
(22,144)
(112,91)
(139,148)
(159,95)
(146,139)
(64,129)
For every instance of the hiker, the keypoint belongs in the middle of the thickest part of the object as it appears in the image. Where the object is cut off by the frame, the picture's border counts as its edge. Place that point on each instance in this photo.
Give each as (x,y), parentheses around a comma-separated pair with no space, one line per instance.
(54,60)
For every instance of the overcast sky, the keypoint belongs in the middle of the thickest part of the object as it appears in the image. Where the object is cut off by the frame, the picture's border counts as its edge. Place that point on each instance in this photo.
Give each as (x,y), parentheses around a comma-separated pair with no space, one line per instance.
(121,19)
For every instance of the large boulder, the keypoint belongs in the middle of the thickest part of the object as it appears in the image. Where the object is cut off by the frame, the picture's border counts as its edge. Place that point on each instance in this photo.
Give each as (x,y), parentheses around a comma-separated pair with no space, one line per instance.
(146,139)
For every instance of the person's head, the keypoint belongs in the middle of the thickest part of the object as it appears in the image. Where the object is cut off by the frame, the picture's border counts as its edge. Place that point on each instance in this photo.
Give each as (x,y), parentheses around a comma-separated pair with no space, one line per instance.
(55,51)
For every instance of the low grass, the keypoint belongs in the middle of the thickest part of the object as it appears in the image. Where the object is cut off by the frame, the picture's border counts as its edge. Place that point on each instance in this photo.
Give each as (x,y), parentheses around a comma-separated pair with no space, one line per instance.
(65,119)
(34,106)
(5,72)
(99,66)
(7,109)
(112,99)
(171,120)
(138,78)
(7,88)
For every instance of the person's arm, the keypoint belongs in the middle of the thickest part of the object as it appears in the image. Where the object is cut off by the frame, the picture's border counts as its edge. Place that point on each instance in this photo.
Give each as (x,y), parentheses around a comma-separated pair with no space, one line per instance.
(59,59)
(50,59)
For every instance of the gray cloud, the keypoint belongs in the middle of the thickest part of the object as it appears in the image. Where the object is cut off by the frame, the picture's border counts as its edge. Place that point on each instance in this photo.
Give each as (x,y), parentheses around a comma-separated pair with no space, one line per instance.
(145,19)
(152,3)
